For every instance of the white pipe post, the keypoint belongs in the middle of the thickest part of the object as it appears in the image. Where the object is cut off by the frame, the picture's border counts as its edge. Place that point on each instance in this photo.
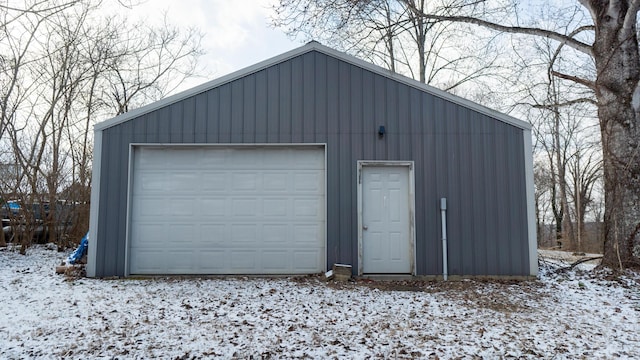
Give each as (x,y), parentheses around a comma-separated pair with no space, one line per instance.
(443,212)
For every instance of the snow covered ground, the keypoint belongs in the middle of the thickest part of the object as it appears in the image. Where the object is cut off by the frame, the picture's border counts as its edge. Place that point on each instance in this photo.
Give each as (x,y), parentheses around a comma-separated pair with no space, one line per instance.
(577,314)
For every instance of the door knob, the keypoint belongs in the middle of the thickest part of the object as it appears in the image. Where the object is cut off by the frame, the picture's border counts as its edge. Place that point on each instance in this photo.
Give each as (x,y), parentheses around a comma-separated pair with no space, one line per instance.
(365,227)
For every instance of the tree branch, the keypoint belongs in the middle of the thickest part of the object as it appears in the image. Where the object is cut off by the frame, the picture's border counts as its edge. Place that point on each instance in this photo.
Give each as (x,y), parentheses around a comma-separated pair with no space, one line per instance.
(565,39)
(565,103)
(588,83)
(576,263)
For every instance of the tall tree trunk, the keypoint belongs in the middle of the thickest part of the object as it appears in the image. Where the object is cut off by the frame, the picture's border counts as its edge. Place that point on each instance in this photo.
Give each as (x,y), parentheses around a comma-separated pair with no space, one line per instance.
(615,52)
(420,37)
(557,209)
(389,38)
(564,222)
(3,242)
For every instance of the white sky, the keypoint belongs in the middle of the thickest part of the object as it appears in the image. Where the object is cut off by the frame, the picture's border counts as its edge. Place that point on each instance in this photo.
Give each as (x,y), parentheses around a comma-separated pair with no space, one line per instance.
(237,33)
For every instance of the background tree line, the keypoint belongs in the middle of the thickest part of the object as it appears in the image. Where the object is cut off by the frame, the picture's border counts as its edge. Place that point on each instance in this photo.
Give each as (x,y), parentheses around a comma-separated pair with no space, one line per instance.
(571,68)
(65,65)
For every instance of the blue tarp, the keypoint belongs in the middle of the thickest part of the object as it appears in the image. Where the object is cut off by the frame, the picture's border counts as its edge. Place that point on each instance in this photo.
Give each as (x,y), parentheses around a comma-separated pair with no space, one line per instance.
(13,205)
(80,251)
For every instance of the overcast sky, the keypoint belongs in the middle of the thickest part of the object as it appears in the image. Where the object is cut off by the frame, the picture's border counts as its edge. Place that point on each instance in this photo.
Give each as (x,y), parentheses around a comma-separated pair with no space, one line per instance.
(237,33)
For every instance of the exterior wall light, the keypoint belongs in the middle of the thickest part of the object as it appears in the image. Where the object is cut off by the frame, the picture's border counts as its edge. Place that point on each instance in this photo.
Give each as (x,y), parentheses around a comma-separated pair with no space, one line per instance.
(381,131)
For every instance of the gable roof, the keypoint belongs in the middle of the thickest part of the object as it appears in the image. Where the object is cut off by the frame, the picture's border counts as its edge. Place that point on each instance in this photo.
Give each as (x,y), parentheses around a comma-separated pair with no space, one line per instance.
(311,46)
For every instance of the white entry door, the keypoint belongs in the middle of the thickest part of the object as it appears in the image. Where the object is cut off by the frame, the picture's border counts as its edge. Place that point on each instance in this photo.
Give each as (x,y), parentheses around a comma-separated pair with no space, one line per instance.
(386,233)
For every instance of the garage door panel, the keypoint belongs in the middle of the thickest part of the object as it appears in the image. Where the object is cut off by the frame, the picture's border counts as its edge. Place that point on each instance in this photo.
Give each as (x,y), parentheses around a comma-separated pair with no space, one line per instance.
(306,234)
(182,207)
(275,182)
(275,234)
(150,207)
(276,261)
(213,207)
(245,181)
(307,158)
(304,259)
(213,210)
(212,261)
(246,158)
(179,157)
(244,260)
(183,181)
(214,181)
(145,261)
(213,235)
(310,182)
(275,207)
(245,207)
(245,234)
(182,233)
(180,261)
(307,207)
(149,235)
(151,181)
(148,159)
(215,158)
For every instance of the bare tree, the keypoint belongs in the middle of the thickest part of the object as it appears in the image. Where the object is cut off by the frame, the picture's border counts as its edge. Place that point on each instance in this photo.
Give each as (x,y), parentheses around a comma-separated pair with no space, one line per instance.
(74,68)
(18,29)
(543,199)
(394,34)
(584,172)
(151,62)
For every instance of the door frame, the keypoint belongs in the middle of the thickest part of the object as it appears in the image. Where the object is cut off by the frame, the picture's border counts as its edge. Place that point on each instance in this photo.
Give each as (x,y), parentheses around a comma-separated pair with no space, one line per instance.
(412,205)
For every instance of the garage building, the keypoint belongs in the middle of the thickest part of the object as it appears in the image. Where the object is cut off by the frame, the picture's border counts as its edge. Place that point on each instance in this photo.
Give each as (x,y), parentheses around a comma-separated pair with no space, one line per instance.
(305,160)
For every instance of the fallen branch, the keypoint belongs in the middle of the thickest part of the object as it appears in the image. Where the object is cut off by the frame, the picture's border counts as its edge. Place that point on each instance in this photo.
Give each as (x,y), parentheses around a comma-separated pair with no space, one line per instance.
(576,263)
(543,261)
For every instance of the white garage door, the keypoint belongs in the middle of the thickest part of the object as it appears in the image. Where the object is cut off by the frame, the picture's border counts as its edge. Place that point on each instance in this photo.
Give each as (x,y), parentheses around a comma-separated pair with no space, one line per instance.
(227,210)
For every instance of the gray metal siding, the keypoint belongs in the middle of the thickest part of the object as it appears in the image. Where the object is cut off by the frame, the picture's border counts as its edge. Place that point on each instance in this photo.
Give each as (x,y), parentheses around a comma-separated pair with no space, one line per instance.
(473,160)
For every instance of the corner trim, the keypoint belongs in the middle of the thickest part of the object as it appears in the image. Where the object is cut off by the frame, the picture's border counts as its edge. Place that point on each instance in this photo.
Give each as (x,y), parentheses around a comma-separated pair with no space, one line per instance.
(530,192)
(94,209)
